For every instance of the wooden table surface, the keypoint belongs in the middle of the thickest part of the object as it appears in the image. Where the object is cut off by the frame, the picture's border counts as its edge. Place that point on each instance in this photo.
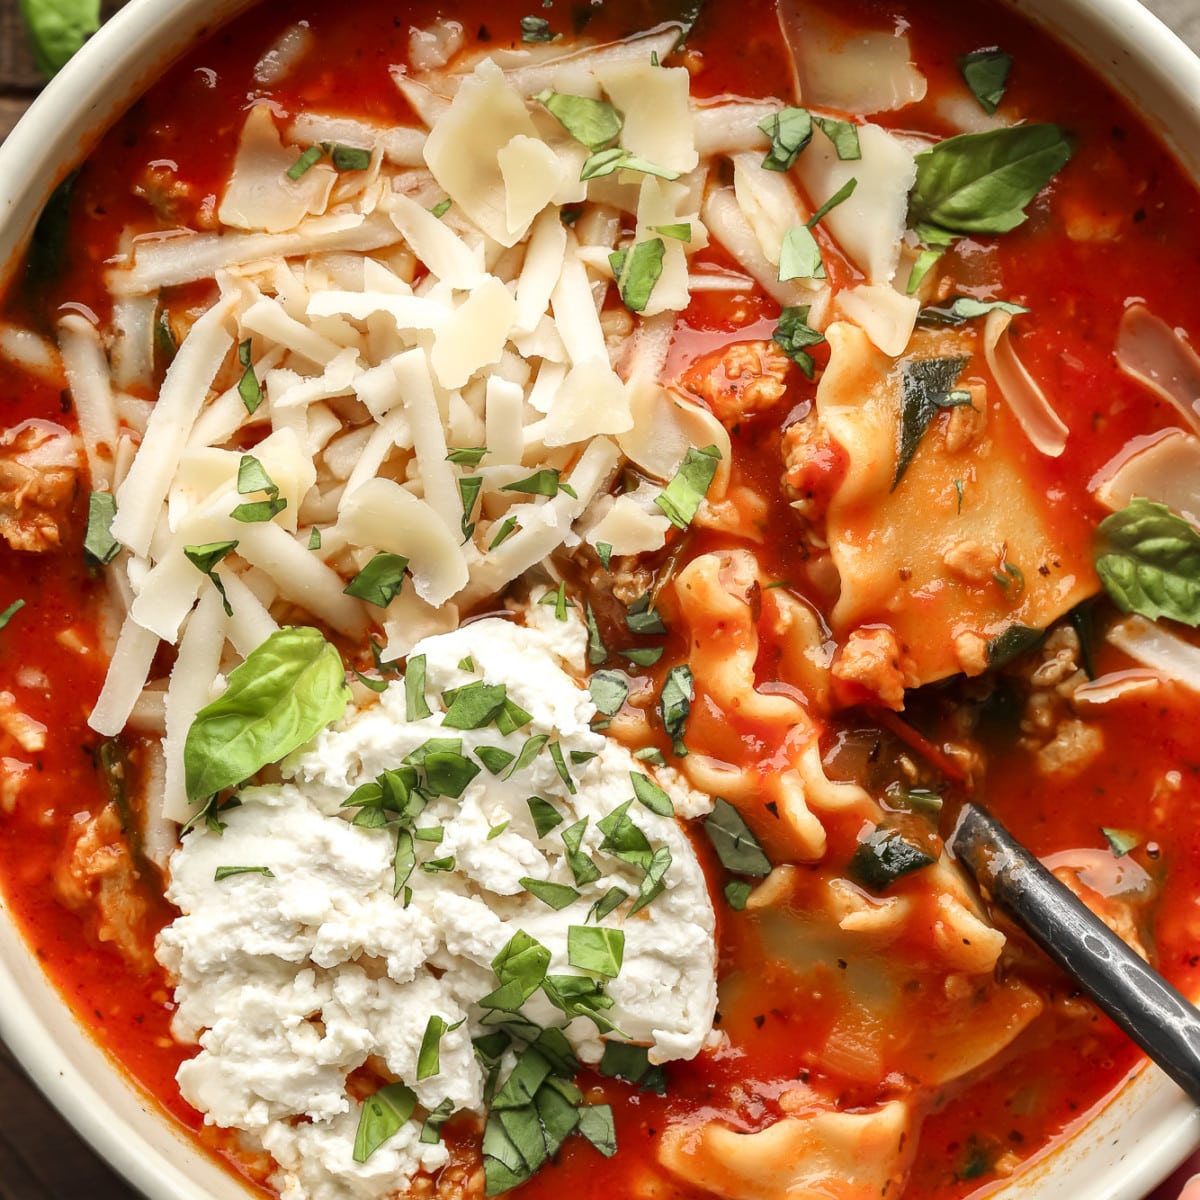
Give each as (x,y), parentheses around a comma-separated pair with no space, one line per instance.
(40,1157)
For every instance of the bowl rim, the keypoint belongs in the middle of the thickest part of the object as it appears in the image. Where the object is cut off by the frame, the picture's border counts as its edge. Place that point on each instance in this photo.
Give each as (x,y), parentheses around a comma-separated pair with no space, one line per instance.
(1150,66)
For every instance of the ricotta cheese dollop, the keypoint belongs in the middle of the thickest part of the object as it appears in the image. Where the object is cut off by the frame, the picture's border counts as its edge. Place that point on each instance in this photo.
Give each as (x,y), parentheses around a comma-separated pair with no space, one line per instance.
(296,963)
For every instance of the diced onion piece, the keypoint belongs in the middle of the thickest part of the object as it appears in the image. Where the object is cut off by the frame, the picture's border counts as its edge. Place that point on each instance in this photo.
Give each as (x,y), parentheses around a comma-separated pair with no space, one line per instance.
(845,69)
(882,313)
(1154,646)
(1026,400)
(259,195)
(654,102)
(1164,467)
(463,148)
(1154,354)
(429,106)
(869,224)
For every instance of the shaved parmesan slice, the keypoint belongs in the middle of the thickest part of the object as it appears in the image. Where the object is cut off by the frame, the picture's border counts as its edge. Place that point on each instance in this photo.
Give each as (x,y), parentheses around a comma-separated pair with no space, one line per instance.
(259,195)
(251,623)
(1164,467)
(887,317)
(505,408)
(654,101)
(575,73)
(413,621)
(463,148)
(769,203)
(1154,646)
(869,224)
(268,318)
(630,526)
(544,254)
(1154,354)
(383,514)
(665,426)
(1042,425)
(473,336)
(408,312)
(532,175)
(575,310)
(442,251)
(659,205)
(91,392)
(835,66)
(591,400)
(336,380)
(127,672)
(184,389)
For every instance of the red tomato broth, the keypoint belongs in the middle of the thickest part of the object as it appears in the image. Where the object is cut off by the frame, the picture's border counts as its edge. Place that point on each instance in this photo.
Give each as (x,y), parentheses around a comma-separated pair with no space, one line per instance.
(775,1031)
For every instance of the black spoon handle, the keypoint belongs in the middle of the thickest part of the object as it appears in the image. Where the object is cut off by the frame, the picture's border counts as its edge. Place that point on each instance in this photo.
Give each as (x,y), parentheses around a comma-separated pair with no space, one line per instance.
(1138,999)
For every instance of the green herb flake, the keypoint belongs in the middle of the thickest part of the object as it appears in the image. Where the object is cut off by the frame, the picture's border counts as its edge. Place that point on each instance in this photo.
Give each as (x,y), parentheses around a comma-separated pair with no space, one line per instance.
(839,197)
(520,968)
(793,335)
(608,690)
(597,651)
(506,528)
(468,492)
(494,758)
(650,754)
(800,256)
(429,1056)
(607,903)
(680,499)
(382,1115)
(436,865)
(1014,641)
(416,707)
(249,388)
(675,704)
(843,135)
(597,1125)
(594,123)
(558,597)
(165,344)
(448,773)
(99,545)
(347,158)
(605,162)
(650,795)
(985,72)
(582,868)
(529,751)
(545,482)
(442,207)
(790,130)
(467,456)
(535,30)
(314,538)
(642,618)
(496,830)
(205,559)
(624,1061)
(227,872)
(561,767)
(430,833)
(926,387)
(966,308)
(600,951)
(431,1130)
(557,895)
(1148,560)
(10,612)
(735,843)
(643,656)
(545,816)
(737,892)
(604,554)
(681,231)
(307,160)
(1120,841)
(637,270)
(380,581)
(925,262)
(474,705)
(885,855)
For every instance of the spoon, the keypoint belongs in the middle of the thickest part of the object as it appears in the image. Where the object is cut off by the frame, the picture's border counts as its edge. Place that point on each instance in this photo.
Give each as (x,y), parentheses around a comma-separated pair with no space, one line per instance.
(1155,1015)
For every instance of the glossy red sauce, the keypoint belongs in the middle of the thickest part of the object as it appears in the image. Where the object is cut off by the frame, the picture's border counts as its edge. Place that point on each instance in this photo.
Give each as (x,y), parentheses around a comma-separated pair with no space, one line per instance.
(1120,178)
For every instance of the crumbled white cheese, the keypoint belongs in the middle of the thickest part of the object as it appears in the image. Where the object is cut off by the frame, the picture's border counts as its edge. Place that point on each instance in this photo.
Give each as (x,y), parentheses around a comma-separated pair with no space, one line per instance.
(292,981)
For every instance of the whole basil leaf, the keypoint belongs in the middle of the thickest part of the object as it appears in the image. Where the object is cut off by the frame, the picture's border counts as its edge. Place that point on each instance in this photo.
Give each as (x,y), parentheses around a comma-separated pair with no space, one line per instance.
(285,692)
(1149,562)
(57,29)
(981,182)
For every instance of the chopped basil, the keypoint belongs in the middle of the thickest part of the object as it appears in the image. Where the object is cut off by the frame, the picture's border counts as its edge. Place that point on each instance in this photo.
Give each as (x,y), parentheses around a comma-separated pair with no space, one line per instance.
(840,196)
(986,74)
(534,30)
(466,663)
(561,767)
(597,1125)
(496,830)
(1015,640)
(582,756)
(843,135)
(675,704)
(925,262)
(249,388)
(651,795)
(884,855)
(435,865)
(790,130)
(623,837)
(314,538)
(607,903)
(258,510)
(578,996)
(430,833)
(416,707)
(511,718)
(592,122)
(624,1061)
(252,477)
(918,800)
(655,879)
(734,842)
(556,895)
(380,581)
(545,816)
(467,456)
(495,758)
(597,950)
(604,554)
(597,651)
(347,158)
(1149,562)
(10,612)
(642,618)
(680,499)
(605,162)
(520,968)
(506,528)
(99,545)
(793,336)
(582,868)
(382,1115)
(637,270)
(429,1056)
(529,751)
(165,345)
(650,754)
(468,491)
(608,690)
(982,182)
(681,231)
(926,386)
(226,872)
(1082,618)
(558,597)
(546,482)
(964,308)
(307,160)
(431,1130)
(737,892)
(204,559)
(448,774)
(800,256)
(442,207)
(57,30)
(1120,841)
(643,656)
(474,705)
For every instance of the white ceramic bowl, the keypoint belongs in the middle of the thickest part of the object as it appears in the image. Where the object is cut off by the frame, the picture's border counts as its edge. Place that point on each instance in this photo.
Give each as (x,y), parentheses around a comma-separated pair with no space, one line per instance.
(1120,1153)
